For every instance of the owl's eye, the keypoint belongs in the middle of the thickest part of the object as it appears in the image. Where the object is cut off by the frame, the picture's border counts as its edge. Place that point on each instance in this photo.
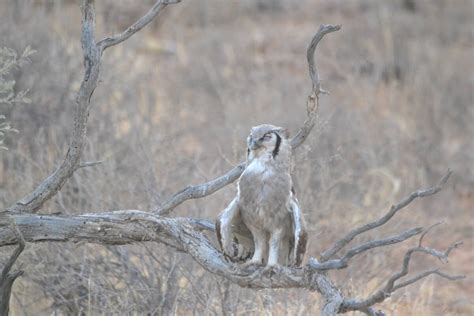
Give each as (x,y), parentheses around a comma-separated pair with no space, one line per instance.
(266,137)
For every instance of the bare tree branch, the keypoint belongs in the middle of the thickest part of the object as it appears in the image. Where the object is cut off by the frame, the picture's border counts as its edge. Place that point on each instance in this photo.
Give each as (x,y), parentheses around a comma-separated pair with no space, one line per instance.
(420,242)
(425,274)
(343,262)
(132,226)
(390,287)
(200,190)
(205,189)
(53,183)
(88,164)
(313,72)
(333,297)
(341,243)
(7,279)
(135,27)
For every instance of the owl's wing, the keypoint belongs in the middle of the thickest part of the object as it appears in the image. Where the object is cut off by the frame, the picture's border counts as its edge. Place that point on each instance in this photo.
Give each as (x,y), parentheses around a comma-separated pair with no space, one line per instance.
(300,236)
(233,235)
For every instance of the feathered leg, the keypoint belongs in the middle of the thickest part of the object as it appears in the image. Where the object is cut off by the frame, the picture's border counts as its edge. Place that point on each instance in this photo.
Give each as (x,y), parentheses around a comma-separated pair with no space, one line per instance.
(275,241)
(261,241)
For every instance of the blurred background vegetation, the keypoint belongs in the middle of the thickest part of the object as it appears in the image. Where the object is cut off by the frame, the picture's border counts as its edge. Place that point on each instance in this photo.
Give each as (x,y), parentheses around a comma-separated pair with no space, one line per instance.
(174,105)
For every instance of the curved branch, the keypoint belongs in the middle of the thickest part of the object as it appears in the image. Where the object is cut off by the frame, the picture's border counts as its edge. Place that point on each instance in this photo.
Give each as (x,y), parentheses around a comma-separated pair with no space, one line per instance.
(200,190)
(205,189)
(135,27)
(424,275)
(333,297)
(313,72)
(341,243)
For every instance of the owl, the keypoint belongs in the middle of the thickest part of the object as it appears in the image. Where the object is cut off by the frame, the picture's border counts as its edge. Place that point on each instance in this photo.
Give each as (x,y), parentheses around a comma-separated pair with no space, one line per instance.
(263,225)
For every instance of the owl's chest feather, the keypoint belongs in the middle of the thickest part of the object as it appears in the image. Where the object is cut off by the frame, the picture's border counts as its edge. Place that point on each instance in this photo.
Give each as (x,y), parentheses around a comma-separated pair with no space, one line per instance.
(263,186)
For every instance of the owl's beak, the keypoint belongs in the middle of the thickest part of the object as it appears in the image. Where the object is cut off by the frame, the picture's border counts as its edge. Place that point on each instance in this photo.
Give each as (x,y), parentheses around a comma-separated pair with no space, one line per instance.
(254,145)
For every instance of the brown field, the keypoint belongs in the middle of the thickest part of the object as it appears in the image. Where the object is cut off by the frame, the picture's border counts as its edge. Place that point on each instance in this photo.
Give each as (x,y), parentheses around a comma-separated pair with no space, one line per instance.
(174,106)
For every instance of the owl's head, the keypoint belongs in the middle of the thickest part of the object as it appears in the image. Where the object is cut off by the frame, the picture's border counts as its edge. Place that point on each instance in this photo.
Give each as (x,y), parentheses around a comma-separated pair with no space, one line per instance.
(266,138)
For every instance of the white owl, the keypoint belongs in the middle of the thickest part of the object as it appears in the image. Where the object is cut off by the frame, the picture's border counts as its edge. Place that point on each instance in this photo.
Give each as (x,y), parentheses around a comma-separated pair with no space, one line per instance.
(264,220)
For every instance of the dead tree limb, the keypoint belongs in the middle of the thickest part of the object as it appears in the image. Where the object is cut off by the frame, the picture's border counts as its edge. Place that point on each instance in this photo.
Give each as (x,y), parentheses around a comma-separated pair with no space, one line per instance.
(135,27)
(184,234)
(53,183)
(392,285)
(7,277)
(343,262)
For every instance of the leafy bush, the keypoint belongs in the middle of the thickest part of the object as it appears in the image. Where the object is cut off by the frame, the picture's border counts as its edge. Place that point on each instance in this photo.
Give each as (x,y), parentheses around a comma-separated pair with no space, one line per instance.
(9,62)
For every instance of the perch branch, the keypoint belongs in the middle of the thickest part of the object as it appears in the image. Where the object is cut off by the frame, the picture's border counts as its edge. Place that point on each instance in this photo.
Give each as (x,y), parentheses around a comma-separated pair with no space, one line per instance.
(135,27)
(205,189)
(183,234)
(341,243)
(133,226)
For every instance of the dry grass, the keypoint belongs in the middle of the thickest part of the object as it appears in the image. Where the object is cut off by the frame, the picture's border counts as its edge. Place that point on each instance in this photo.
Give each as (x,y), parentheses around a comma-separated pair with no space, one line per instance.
(174,106)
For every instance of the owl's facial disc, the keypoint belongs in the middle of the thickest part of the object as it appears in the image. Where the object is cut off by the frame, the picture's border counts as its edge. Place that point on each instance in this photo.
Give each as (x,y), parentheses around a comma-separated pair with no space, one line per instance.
(267,141)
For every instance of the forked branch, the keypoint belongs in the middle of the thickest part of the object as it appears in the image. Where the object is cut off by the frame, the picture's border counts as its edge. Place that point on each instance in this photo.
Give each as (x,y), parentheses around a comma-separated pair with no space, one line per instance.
(54,182)
(341,243)
(394,282)
(343,262)
(7,278)
(135,27)
(92,52)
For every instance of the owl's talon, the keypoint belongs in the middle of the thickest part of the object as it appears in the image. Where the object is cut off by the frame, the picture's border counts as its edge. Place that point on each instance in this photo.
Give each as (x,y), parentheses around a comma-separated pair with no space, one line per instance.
(251,265)
(271,269)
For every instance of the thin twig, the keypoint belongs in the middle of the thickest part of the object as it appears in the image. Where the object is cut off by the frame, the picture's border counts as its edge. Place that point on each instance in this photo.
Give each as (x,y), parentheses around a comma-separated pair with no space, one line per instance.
(424,275)
(135,27)
(88,164)
(420,242)
(344,261)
